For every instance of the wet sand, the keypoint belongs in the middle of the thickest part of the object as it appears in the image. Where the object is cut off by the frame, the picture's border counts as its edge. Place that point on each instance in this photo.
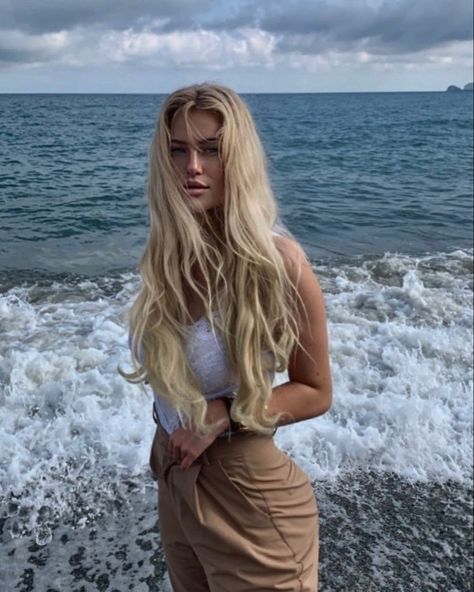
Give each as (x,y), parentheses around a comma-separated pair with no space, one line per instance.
(378,533)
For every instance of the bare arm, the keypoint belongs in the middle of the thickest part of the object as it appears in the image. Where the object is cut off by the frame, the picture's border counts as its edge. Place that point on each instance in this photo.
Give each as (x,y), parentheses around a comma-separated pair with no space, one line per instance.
(308,393)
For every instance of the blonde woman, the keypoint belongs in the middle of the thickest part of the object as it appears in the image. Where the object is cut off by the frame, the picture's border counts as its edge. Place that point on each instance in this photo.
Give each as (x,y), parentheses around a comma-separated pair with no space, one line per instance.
(227,298)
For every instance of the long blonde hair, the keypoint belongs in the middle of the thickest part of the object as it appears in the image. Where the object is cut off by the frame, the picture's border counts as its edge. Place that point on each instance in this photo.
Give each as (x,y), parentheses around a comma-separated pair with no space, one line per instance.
(244,272)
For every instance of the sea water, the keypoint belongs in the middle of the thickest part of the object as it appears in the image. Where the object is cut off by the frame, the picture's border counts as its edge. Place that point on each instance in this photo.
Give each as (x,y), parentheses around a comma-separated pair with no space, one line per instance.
(378,189)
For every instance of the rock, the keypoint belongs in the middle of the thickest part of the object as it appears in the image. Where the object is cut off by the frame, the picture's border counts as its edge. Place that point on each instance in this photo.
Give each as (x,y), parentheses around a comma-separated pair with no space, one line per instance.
(453,88)
(469,86)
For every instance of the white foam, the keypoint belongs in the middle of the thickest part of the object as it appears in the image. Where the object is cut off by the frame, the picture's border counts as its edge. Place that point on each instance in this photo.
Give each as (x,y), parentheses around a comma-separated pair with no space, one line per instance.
(402,369)
(76,430)
(78,435)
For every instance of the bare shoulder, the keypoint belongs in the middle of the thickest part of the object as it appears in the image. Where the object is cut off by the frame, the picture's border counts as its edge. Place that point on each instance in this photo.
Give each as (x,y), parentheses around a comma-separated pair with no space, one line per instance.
(287,244)
(293,255)
(304,278)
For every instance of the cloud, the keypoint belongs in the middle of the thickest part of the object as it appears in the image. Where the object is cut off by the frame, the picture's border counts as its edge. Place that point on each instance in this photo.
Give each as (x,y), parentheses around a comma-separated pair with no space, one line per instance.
(390,26)
(182,49)
(47,16)
(219,34)
(351,62)
(18,47)
(214,50)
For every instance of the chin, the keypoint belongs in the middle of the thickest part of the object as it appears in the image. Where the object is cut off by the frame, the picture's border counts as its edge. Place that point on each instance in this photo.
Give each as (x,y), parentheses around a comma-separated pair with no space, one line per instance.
(204,204)
(212,210)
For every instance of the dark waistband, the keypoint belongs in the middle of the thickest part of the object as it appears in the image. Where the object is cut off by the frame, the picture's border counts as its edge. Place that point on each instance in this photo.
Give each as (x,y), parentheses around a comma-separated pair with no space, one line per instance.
(231,445)
(227,434)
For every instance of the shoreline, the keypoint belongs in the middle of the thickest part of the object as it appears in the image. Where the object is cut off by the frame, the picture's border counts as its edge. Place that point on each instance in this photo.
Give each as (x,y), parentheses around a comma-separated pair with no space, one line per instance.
(377,533)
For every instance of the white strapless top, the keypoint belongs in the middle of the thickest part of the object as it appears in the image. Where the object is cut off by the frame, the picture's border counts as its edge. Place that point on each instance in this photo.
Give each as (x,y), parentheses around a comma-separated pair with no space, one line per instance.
(207,356)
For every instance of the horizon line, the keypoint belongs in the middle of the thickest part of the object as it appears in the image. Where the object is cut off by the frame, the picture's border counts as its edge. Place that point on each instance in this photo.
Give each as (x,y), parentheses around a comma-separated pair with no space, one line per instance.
(310,92)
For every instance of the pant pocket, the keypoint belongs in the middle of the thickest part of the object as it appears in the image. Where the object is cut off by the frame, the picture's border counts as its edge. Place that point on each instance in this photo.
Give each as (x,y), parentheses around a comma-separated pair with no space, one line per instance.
(243,489)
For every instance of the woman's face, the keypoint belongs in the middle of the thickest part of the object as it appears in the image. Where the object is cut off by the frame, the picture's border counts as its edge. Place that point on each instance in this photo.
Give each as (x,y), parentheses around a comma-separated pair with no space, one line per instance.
(199,165)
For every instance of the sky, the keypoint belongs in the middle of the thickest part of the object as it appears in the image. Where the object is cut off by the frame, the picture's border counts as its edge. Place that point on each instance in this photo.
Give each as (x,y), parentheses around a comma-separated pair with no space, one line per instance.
(254,46)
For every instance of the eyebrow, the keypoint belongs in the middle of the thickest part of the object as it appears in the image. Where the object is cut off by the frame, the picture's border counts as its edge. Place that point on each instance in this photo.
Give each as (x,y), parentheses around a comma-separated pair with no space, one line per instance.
(176,141)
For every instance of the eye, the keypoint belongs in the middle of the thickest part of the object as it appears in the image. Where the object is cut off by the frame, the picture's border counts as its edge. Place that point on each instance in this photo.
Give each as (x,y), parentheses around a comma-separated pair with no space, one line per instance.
(210,150)
(175,150)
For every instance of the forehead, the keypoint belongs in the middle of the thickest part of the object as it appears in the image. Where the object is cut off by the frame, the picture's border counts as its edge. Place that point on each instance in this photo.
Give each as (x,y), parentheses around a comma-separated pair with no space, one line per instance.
(203,124)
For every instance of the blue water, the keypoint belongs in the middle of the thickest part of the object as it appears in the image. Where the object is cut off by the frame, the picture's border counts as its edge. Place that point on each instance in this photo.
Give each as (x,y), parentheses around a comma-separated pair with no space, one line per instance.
(378,189)
(353,173)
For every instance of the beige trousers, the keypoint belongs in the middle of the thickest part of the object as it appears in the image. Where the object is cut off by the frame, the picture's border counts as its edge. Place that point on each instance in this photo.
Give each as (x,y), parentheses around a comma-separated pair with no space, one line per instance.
(242,518)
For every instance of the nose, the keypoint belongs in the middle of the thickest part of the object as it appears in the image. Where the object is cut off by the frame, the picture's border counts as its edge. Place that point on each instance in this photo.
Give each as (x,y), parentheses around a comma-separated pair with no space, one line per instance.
(194,165)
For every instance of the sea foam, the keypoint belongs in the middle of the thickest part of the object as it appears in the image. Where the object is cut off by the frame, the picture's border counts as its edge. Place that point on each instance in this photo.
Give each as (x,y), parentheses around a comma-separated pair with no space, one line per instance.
(78,435)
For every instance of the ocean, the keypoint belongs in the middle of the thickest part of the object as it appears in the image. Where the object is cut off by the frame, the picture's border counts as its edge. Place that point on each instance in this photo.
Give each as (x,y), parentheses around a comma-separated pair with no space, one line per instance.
(378,189)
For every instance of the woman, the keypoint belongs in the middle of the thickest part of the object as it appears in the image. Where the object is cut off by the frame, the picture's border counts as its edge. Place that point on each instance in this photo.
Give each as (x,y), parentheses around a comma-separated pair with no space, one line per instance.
(225,302)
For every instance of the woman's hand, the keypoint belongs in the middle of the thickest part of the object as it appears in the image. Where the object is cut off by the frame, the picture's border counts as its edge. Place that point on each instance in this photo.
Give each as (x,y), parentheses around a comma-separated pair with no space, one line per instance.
(185,446)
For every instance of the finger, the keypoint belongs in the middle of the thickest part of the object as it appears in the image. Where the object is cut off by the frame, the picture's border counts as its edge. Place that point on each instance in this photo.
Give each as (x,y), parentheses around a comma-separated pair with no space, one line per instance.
(187,461)
(174,448)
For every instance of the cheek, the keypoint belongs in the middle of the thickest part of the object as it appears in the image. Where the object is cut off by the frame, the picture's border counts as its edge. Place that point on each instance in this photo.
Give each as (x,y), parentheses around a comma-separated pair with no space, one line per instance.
(179,162)
(219,175)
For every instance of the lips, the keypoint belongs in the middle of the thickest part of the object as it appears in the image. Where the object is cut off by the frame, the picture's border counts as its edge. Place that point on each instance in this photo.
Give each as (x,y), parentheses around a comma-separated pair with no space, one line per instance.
(196,189)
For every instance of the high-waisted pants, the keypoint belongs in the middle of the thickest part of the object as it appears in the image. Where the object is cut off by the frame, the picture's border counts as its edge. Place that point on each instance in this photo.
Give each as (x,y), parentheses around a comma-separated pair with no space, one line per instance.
(242,518)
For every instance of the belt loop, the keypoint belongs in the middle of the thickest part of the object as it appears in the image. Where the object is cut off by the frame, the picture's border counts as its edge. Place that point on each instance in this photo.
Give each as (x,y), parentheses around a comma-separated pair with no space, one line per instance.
(155,414)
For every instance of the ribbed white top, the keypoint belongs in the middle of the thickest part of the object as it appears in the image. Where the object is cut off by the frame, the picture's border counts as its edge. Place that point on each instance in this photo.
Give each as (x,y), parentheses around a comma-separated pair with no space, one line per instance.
(207,356)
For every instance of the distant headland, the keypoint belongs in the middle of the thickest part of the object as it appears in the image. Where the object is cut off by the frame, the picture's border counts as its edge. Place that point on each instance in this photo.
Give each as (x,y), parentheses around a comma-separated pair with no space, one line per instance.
(453,88)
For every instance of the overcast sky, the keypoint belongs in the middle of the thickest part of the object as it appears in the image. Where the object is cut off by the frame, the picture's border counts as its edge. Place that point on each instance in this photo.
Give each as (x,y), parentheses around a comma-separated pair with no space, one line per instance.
(155,46)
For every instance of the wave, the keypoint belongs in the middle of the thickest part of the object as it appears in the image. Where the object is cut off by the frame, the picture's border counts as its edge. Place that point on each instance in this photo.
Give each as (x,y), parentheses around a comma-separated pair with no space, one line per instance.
(79,435)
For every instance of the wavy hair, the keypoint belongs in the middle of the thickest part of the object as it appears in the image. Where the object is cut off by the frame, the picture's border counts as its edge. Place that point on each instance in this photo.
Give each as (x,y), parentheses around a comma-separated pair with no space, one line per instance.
(244,273)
